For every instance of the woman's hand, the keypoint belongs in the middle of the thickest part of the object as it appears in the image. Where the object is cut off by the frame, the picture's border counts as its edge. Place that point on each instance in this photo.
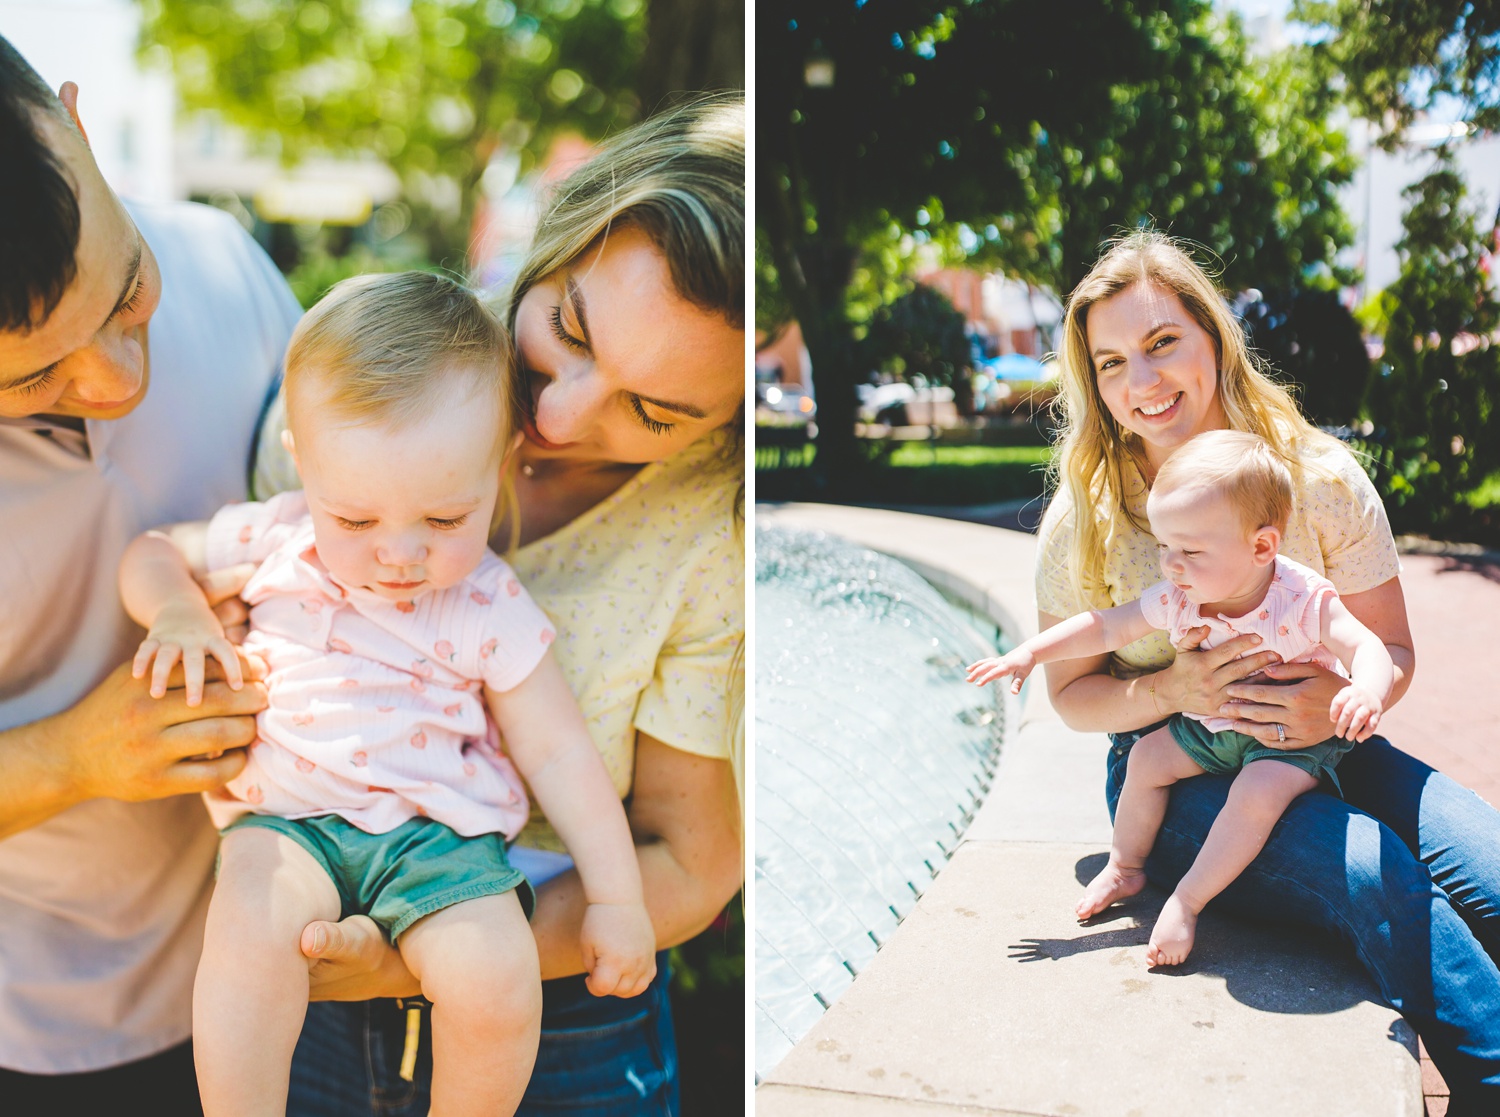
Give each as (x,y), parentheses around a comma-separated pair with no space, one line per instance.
(1300,706)
(1199,682)
(351,961)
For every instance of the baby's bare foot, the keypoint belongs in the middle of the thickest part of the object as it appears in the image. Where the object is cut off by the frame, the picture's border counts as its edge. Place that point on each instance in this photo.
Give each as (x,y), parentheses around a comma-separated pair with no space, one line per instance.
(1114,882)
(1172,937)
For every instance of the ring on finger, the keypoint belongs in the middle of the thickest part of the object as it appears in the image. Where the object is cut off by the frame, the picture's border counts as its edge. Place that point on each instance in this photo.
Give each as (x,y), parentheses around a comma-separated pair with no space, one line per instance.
(1280,733)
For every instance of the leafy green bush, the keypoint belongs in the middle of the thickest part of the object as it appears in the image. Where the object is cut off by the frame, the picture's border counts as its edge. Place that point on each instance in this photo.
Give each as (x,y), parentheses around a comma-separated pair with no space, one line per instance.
(922,334)
(1436,388)
(1313,343)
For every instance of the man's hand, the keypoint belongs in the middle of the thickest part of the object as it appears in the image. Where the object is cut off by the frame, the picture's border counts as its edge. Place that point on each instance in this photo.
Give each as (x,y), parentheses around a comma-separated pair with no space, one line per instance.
(351,961)
(121,743)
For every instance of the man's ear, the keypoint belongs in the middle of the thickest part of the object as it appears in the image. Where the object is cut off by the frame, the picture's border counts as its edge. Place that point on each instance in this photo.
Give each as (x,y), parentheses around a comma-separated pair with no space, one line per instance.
(1267,541)
(68,95)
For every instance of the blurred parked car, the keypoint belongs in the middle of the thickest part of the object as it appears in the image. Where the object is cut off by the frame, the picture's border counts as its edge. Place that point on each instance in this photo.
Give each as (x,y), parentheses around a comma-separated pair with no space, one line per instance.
(902,405)
(783,405)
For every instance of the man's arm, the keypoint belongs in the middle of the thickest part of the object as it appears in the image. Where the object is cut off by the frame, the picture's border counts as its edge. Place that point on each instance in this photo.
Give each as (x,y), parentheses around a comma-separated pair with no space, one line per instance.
(119,742)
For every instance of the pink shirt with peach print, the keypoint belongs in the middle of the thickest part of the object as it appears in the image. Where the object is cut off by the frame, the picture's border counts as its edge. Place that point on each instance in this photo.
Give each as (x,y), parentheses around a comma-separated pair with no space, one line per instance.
(376,708)
(1289,621)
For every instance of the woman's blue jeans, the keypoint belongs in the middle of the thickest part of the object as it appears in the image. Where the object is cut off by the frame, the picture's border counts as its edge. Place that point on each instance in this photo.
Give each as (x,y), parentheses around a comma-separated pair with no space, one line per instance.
(602,1056)
(1405,868)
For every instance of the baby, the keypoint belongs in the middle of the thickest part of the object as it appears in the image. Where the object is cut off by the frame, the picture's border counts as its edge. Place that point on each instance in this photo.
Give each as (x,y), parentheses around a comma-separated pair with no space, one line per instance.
(376,785)
(1218,510)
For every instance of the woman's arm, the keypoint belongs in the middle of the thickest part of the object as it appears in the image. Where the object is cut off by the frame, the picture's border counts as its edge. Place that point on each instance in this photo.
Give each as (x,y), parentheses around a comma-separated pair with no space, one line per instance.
(684,816)
(1301,705)
(1091,700)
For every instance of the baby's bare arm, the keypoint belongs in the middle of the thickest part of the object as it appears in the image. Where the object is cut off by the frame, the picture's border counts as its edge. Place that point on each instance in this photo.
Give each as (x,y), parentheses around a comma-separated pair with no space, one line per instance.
(547,738)
(158,585)
(1083,636)
(1356,710)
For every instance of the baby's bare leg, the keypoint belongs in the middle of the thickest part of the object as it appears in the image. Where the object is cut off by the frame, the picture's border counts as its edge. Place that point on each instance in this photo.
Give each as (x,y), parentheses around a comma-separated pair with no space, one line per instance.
(478,966)
(250,997)
(1156,763)
(1260,795)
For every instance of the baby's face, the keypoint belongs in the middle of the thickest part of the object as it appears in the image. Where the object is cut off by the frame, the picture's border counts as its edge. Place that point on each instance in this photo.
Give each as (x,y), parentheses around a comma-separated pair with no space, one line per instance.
(404,510)
(1206,549)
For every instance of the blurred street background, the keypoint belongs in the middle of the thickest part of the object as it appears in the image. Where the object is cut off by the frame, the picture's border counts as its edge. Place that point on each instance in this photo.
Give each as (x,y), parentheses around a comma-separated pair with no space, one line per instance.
(351,136)
(934,178)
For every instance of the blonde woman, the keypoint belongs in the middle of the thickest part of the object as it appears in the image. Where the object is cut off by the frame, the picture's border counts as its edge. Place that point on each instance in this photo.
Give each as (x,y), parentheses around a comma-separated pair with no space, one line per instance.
(1403,867)
(629,320)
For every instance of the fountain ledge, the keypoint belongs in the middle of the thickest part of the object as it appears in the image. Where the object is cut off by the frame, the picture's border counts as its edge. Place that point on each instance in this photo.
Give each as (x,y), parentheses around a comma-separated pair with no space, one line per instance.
(991,999)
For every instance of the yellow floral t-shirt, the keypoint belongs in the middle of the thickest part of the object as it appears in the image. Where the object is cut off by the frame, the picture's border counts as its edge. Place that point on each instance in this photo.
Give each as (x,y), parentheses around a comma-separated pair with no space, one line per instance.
(647,592)
(1338,528)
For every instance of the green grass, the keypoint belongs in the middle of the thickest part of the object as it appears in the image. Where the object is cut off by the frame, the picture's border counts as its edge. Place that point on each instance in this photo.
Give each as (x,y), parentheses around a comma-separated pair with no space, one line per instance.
(917,473)
(921,455)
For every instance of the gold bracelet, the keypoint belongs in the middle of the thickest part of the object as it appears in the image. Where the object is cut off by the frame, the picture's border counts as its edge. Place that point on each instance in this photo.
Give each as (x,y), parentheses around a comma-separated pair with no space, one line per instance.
(1154,704)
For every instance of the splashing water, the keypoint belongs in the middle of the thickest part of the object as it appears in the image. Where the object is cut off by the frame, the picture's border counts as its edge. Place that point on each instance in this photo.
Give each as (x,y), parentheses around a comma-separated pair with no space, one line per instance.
(872,755)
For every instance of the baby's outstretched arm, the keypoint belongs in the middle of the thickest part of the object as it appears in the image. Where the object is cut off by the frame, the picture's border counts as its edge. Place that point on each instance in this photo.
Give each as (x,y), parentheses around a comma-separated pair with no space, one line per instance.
(1356,710)
(546,736)
(1086,634)
(158,587)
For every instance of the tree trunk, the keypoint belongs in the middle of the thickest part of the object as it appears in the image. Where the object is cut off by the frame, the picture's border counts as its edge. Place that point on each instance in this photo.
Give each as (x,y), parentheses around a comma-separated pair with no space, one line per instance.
(692,46)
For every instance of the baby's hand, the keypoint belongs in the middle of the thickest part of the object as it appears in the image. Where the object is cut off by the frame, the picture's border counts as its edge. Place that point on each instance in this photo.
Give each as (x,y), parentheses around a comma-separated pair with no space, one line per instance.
(1018,664)
(619,949)
(187,631)
(1355,713)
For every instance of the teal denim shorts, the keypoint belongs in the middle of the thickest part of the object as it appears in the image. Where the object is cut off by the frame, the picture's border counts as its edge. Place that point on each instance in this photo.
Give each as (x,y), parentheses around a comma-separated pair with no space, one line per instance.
(398,877)
(1226,752)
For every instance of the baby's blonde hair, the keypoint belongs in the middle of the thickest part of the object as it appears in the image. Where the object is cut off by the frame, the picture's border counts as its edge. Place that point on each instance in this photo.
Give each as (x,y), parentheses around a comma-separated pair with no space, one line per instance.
(1240,467)
(380,349)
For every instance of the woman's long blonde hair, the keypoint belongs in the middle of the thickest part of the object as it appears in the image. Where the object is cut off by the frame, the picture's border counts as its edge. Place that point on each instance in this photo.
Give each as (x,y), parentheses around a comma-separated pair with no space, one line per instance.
(1093,448)
(678,177)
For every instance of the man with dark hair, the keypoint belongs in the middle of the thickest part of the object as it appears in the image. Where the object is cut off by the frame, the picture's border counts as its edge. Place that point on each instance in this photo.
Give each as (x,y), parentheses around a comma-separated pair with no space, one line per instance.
(137,347)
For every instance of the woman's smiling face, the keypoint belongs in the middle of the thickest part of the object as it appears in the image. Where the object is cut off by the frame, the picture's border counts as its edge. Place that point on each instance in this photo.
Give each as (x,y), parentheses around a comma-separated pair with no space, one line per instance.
(620,367)
(1156,368)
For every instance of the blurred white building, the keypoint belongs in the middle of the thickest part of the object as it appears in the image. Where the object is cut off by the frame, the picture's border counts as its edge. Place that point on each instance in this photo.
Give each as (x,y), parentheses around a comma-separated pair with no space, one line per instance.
(127,108)
(1373,200)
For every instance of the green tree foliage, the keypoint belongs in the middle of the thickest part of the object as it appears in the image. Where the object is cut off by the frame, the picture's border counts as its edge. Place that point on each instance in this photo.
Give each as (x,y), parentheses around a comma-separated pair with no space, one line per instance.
(1232,151)
(433,87)
(955,125)
(1434,398)
(921,334)
(1396,58)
